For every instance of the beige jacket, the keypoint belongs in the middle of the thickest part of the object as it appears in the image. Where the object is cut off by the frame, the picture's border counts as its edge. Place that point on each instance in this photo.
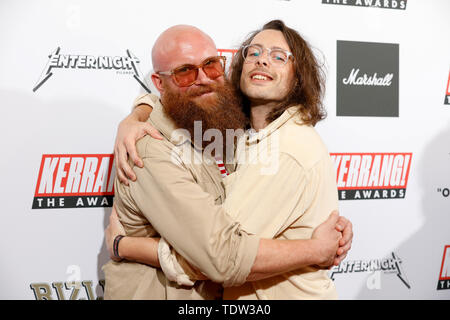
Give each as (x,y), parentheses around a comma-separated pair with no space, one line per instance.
(283,188)
(178,197)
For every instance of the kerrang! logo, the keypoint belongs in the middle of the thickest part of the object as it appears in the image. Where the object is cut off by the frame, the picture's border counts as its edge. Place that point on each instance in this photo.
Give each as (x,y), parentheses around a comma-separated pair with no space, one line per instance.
(75,181)
(371,175)
(126,64)
(447,92)
(444,276)
(229,54)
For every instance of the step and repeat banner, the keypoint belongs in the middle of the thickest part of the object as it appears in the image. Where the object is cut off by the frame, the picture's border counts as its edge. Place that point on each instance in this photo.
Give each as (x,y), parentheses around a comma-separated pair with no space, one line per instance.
(70,71)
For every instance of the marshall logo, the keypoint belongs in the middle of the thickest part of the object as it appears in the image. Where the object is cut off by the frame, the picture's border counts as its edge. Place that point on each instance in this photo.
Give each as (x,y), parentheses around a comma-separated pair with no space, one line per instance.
(384,4)
(363,176)
(75,181)
(126,64)
(444,276)
(387,265)
(447,92)
(367,79)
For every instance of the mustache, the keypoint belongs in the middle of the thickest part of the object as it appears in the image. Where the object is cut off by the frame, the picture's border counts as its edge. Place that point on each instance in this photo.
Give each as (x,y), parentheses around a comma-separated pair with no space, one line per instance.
(198,91)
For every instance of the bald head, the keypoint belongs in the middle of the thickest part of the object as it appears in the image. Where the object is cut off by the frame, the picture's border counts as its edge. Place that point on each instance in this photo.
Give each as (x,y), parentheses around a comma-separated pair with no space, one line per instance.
(179,45)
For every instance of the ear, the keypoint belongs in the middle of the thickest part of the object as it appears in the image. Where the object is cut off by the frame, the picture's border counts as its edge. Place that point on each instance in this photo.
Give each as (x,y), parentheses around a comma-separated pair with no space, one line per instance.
(157,82)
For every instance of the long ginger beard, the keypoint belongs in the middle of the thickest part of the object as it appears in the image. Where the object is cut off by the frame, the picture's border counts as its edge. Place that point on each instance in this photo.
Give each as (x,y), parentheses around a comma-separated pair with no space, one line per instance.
(221,109)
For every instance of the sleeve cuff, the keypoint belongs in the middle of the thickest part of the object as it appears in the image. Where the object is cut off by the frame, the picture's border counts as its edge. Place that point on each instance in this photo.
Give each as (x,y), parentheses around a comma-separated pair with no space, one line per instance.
(245,261)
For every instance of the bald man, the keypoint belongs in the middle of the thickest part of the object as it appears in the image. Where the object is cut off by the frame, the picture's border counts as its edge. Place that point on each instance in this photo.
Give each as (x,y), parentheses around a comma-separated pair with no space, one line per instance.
(179,198)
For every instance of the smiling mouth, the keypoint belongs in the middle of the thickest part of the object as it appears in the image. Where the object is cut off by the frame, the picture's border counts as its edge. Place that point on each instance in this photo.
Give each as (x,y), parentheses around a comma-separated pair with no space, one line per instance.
(260,76)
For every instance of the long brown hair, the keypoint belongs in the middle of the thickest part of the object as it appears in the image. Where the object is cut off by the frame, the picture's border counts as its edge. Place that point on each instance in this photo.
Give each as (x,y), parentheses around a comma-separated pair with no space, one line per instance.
(308,90)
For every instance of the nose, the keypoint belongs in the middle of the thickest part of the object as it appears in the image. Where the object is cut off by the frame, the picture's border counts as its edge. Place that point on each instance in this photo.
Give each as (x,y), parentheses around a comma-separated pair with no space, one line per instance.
(263,59)
(202,78)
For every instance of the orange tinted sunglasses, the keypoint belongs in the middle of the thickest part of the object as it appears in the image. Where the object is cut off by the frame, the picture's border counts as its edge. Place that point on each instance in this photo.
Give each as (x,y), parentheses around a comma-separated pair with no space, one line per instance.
(186,75)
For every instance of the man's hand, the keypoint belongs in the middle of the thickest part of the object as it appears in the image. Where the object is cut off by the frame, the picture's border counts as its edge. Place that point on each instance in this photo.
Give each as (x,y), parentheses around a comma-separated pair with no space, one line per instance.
(130,130)
(345,226)
(114,229)
(327,237)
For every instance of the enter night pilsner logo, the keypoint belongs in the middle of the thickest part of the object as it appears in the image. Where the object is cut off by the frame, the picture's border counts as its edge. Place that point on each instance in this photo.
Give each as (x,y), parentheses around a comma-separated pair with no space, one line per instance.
(128,64)
(364,176)
(75,181)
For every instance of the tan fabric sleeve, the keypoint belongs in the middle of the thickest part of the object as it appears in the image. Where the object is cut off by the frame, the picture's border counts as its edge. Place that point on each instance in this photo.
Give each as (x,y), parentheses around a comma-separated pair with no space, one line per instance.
(186,216)
(147,98)
(192,273)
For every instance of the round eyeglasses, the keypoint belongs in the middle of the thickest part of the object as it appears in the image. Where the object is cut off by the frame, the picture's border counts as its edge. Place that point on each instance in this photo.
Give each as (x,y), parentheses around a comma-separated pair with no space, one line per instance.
(278,56)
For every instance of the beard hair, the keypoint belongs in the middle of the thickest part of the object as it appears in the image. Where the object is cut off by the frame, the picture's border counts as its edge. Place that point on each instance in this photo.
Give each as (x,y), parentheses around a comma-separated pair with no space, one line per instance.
(221,110)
